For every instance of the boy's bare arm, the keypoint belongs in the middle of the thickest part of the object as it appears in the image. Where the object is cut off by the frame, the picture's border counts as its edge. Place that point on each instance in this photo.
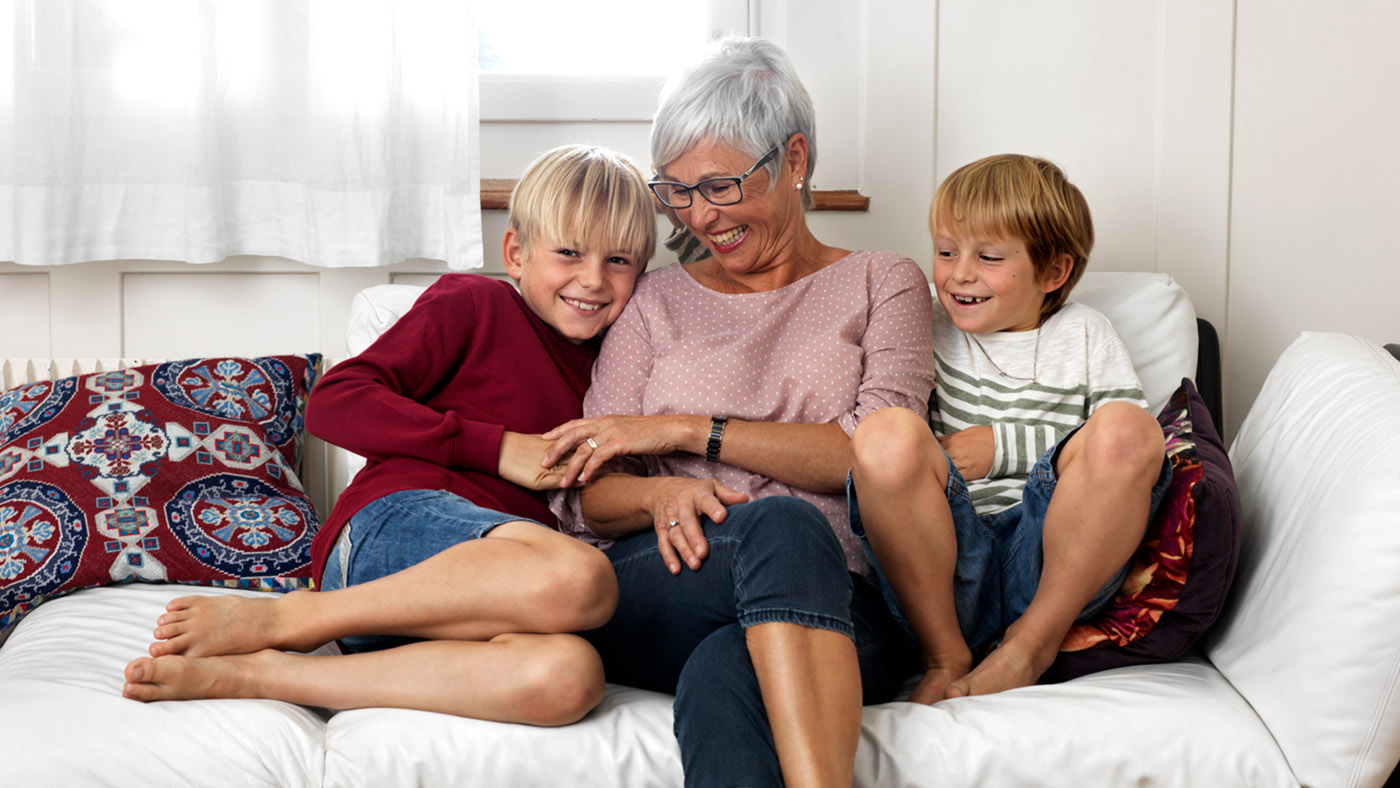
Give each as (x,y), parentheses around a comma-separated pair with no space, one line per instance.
(971,450)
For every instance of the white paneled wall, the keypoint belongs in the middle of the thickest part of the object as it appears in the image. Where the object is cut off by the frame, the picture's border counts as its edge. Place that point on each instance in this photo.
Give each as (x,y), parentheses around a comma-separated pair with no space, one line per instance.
(1246,147)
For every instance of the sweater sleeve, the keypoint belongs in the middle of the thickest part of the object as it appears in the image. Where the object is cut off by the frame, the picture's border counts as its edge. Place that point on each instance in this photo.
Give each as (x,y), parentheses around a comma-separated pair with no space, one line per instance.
(374,404)
(897,345)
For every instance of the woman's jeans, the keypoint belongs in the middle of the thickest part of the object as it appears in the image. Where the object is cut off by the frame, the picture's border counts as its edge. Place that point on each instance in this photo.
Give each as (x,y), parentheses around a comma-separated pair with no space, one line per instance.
(771,560)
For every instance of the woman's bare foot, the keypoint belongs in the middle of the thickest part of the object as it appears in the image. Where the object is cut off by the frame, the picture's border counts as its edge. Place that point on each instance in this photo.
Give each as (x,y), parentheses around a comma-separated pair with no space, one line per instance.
(183,678)
(1014,663)
(205,626)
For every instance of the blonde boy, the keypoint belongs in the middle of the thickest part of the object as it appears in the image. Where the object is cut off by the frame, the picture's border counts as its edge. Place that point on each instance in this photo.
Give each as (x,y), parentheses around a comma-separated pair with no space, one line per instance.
(436,575)
(1014,511)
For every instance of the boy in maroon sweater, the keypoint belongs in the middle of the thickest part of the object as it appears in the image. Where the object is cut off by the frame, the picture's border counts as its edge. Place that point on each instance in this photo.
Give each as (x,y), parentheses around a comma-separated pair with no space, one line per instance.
(435,574)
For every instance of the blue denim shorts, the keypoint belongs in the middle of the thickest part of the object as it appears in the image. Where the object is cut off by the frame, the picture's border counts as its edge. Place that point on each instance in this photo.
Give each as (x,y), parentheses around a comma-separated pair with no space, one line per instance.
(397,531)
(1000,555)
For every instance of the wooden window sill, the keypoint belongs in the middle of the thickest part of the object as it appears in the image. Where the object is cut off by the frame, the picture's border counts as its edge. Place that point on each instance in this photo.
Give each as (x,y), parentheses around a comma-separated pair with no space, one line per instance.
(495,196)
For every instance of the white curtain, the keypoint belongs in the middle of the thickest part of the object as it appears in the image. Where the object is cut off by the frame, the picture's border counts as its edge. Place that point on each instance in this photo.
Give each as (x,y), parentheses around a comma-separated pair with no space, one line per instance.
(334,132)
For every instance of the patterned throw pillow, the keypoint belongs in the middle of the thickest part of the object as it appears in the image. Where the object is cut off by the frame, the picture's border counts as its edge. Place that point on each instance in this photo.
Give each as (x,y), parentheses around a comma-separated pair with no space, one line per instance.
(1183,570)
(168,473)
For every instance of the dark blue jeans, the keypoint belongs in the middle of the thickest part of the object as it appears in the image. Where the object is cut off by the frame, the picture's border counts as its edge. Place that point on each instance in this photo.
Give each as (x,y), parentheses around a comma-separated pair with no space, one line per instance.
(771,560)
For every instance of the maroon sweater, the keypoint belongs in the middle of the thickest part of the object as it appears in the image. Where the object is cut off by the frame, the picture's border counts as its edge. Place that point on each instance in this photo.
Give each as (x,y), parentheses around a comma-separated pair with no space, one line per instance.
(428,402)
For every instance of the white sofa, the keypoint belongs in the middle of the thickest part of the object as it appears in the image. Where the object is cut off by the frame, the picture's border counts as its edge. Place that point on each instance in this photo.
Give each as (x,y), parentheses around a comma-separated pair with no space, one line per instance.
(1295,685)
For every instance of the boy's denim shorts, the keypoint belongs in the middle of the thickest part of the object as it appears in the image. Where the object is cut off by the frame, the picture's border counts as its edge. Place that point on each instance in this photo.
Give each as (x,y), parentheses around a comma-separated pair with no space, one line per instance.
(397,531)
(1000,555)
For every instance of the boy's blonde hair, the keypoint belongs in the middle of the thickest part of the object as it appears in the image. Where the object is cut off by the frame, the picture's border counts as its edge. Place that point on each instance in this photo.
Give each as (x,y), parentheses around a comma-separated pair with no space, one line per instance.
(1012,195)
(584,195)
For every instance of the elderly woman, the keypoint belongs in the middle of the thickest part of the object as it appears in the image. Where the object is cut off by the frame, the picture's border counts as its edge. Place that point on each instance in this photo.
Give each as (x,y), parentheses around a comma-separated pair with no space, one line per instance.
(716,438)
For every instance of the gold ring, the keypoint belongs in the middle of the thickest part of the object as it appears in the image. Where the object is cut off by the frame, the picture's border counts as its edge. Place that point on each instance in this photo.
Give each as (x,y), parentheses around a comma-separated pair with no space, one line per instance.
(593,443)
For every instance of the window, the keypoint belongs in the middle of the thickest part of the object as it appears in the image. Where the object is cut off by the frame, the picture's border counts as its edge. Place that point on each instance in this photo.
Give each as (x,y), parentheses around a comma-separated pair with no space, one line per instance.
(604,60)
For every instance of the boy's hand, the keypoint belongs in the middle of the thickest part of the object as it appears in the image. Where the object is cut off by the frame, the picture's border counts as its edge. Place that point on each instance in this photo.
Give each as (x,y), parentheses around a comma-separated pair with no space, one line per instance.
(971,450)
(519,462)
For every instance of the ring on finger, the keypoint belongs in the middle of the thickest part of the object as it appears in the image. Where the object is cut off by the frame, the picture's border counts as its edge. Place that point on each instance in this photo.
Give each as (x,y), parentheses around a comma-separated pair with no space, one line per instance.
(592,443)
(673,523)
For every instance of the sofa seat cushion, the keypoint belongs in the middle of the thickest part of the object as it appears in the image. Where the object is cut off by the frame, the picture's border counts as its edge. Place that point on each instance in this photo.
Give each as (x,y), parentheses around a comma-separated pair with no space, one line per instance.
(1174,724)
(64,722)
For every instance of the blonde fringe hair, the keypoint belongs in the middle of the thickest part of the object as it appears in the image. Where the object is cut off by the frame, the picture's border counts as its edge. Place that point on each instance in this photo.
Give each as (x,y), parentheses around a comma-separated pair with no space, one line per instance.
(584,195)
(1028,198)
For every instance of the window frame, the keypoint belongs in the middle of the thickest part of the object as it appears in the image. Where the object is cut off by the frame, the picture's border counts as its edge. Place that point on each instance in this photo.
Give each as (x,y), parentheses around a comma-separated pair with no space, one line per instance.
(566,98)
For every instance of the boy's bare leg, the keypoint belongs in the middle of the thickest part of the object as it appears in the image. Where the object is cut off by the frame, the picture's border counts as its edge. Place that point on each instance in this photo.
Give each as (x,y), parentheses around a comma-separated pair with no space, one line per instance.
(901,475)
(1094,523)
(810,679)
(535,679)
(520,577)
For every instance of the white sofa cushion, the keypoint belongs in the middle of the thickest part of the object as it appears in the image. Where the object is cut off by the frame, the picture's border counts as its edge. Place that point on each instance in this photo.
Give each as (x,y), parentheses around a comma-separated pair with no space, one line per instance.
(1311,637)
(65,723)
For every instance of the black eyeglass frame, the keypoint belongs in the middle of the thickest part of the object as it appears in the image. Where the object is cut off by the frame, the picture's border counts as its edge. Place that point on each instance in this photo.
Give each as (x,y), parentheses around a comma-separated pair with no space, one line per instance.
(737,180)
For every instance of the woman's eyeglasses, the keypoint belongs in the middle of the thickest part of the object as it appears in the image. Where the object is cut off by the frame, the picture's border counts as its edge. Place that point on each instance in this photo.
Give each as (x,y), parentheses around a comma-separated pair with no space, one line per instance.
(716,191)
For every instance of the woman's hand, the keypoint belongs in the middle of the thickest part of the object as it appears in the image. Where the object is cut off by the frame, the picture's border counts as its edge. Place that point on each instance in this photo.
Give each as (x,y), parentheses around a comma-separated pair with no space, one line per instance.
(520,462)
(677,503)
(971,450)
(597,440)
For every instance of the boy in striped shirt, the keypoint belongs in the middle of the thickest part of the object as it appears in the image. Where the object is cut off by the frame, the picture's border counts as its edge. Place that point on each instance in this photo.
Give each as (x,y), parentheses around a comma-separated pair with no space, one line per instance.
(1015,511)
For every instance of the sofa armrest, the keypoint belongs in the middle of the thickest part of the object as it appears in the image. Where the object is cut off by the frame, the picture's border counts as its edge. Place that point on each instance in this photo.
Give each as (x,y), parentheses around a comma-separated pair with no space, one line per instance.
(1309,635)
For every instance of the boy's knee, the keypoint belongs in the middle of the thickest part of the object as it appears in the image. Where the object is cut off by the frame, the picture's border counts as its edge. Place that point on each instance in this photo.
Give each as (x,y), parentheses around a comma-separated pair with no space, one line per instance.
(576,591)
(561,680)
(892,443)
(1123,435)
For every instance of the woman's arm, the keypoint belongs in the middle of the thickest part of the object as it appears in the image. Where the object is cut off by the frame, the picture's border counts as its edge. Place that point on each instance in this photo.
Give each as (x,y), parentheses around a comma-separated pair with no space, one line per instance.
(810,456)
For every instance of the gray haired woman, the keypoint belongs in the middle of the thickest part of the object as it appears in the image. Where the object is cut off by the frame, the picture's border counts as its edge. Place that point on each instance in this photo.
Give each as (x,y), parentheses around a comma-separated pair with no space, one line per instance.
(715,443)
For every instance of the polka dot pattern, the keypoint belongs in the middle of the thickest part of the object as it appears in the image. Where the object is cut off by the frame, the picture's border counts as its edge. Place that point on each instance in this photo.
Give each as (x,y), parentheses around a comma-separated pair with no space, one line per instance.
(833,346)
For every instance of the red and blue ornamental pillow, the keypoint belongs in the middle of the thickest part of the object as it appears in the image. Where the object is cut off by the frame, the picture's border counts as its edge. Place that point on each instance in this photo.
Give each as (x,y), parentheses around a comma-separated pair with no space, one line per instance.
(180,472)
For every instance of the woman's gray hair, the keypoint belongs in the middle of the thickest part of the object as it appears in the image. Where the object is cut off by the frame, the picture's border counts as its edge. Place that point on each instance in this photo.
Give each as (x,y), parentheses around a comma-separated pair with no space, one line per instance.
(745,93)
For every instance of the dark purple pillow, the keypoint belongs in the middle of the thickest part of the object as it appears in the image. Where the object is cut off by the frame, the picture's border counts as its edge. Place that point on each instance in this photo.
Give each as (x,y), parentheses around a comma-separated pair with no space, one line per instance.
(1182,573)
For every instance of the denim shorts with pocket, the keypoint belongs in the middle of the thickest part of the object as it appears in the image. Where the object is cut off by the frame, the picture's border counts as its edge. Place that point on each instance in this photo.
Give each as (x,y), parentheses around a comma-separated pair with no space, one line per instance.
(1000,554)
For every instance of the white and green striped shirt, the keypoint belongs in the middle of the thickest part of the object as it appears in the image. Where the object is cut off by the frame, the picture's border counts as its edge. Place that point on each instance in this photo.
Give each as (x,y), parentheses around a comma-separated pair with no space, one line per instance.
(1032,387)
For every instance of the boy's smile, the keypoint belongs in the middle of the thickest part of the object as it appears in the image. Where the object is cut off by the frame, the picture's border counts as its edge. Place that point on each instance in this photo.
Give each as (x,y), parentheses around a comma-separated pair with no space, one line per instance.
(990,284)
(577,289)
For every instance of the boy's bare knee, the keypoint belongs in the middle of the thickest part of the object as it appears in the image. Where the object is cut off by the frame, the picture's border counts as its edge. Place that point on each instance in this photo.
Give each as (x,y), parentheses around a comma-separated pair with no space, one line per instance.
(574,592)
(896,442)
(560,681)
(1124,436)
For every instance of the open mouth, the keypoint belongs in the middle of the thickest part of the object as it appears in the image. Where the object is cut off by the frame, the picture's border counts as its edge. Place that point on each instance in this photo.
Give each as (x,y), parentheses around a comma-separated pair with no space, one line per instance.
(584,306)
(969,300)
(728,240)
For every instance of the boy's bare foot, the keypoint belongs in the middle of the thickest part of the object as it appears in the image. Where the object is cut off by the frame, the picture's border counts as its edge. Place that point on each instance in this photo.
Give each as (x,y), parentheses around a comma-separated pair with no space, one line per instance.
(204,626)
(1014,663)
(939,673)
(184,678)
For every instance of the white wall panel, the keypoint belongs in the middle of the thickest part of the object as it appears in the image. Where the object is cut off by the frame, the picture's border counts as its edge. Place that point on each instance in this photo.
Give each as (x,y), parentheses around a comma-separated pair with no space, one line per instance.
(1315,168)
(200,314)
(24,315)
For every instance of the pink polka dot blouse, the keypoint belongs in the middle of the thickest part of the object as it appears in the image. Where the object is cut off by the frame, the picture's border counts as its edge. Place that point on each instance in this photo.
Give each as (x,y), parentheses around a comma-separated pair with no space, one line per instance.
(834,346)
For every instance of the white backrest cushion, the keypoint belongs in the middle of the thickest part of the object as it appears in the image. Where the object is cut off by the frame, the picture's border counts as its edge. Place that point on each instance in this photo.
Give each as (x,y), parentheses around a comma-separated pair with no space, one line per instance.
(1311,635)
(1156,320)
(375,309)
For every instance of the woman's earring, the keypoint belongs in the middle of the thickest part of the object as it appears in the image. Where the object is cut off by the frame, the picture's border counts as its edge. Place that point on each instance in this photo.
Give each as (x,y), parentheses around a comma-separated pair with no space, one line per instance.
(798,185)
